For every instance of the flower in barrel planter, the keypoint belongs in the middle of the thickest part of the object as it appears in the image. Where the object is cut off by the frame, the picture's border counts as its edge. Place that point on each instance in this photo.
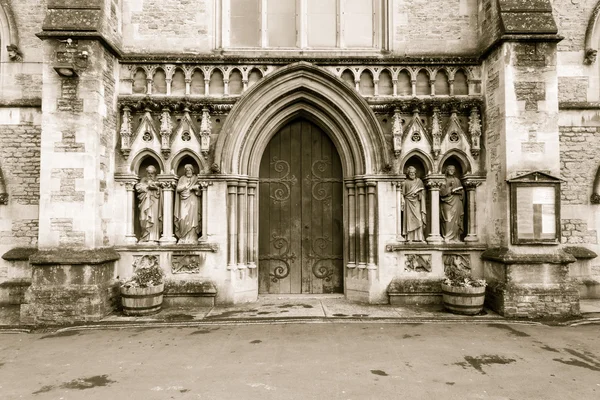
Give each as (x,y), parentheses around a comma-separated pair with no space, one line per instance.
(461,293)
(142,294)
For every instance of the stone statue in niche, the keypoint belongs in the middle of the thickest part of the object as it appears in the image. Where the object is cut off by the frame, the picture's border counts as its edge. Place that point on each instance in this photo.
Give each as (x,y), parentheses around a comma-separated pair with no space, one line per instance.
(149,205)
(415,212)
(451,206)
(187,207)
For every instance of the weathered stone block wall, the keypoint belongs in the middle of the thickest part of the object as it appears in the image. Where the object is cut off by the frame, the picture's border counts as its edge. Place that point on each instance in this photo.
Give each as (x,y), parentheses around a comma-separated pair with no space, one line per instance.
(420,26)
(183,26)
(20,162)
(435,27)
(579,150)
(577,81)
(496,199)
(79,129)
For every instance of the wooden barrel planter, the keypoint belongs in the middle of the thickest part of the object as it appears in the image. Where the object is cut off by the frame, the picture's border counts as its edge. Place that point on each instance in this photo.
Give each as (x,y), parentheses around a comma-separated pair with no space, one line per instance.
(463,300)
(142,301)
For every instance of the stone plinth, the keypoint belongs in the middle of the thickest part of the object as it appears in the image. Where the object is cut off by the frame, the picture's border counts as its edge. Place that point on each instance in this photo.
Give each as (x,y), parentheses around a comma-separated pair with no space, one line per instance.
(12,290)
(200,293)
(582,272)
(415,291)
(530,285)
(70,286)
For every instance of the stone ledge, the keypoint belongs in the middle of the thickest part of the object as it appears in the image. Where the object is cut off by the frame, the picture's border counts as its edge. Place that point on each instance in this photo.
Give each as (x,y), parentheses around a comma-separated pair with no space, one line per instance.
(74,256)
(580,253)
(578,105)
(437,247)
(16,283)
(35,102)
(507,256)
(412,291)
(190,288)
(176,248)
(19,253)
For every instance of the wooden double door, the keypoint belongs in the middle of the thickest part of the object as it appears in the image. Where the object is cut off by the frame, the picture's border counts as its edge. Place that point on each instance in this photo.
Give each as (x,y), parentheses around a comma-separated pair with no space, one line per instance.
(300,213)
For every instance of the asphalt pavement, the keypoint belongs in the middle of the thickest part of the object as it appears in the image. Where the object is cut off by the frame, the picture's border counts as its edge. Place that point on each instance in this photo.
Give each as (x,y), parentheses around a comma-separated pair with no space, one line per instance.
(322,359)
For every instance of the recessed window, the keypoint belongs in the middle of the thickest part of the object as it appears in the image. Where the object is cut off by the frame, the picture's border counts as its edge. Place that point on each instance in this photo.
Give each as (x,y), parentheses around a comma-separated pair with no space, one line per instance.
(305,24)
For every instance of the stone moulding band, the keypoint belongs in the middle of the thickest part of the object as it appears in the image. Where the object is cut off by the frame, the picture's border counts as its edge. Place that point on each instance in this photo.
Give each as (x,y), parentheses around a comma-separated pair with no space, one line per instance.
(74,256)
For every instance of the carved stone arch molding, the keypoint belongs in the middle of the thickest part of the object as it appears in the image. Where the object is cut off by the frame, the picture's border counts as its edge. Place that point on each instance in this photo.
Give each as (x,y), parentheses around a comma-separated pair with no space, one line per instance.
(592,36)
(301,89)
(8,29)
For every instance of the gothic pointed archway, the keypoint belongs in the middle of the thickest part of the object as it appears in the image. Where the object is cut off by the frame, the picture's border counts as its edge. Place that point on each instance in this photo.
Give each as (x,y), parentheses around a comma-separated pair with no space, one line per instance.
(304,91)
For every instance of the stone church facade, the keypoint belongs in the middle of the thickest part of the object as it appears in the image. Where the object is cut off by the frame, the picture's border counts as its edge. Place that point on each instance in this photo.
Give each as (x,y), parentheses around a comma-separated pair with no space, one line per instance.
(258,147)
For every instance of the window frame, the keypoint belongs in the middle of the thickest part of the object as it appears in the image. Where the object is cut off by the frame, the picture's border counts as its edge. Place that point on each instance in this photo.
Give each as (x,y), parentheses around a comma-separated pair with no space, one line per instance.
(381,33)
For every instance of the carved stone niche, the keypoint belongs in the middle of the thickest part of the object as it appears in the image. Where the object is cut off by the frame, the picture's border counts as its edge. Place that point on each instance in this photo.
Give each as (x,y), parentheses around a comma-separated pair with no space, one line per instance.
(418,263)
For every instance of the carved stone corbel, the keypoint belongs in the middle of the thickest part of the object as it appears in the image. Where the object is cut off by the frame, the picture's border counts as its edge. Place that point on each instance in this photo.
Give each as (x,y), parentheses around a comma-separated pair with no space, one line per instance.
(126,132)
(166,130)
(475,131)
(205,131)
(590,56)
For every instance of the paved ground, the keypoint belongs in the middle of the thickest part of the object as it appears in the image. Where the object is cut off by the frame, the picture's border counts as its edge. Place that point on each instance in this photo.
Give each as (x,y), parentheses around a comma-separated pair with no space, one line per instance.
(327,359)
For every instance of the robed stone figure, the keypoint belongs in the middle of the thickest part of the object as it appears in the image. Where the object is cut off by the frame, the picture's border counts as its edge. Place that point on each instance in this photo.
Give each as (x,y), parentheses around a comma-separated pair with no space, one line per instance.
(187,207)
(452,211)
(415,214)
(149,200)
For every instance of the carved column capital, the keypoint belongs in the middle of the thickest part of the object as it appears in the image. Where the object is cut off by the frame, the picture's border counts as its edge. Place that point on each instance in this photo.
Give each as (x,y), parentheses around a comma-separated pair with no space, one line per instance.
(471,184)
(434,183)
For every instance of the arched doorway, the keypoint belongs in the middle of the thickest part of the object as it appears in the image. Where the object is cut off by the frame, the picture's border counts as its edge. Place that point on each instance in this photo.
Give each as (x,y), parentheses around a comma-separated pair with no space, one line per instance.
(300,212)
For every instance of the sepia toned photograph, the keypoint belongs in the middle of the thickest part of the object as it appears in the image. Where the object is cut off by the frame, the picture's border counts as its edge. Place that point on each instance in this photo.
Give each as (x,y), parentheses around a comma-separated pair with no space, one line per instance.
(299,199)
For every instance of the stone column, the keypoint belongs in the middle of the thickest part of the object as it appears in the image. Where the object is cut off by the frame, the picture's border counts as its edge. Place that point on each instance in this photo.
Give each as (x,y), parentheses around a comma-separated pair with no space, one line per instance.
(241,225)
(206,86)
(232,224)
(362,253)
(395,83)
(130,227)
(414,87)
(432,85)
(451,83)
(372,236)
(188,86)
(399,201)
(245,85)
(471,189)
(168,189)
(434,186)
(169,82)
(351,226)
(251,224)
(225,87)
(376,87)
(149,85)
(204,189)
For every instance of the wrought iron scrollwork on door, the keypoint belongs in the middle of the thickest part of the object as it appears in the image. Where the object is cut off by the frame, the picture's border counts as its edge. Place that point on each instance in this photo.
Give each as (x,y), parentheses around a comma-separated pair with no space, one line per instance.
(320,193)
(287,181)
(280,271)
(317,258)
